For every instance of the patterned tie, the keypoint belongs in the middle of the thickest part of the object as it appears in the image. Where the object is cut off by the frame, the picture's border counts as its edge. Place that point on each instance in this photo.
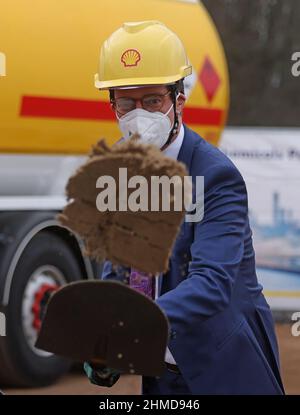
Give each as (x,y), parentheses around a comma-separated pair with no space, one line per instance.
(142,282)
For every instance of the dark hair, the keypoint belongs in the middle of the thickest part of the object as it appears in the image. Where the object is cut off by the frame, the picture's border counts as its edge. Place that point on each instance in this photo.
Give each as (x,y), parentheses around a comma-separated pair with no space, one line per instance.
(180,86)
(111,95)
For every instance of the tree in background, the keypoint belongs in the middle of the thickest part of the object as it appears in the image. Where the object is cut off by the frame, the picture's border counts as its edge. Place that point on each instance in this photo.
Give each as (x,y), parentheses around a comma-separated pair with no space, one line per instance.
(260,37)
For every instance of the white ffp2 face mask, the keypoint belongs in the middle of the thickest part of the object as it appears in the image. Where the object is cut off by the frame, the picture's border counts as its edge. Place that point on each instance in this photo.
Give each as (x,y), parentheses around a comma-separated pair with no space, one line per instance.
(153,127)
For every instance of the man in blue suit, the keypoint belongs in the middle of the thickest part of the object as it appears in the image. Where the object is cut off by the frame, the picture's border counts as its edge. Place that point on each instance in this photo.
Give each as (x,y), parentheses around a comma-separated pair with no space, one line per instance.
(222,338)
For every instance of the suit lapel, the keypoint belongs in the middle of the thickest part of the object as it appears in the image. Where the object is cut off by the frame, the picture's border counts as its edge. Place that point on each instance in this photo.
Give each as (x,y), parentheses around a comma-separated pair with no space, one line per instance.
(185,156)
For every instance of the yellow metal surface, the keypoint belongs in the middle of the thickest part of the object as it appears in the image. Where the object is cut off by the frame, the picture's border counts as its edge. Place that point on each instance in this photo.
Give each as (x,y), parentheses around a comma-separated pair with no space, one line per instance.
(2,64)
(48,102)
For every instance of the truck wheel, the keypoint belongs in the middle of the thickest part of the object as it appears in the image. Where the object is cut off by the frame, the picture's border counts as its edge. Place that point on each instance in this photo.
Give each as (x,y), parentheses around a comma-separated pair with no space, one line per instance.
(46,264)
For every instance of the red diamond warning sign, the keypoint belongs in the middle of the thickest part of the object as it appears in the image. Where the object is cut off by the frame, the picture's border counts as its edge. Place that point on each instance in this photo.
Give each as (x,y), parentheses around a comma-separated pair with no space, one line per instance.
(209,79)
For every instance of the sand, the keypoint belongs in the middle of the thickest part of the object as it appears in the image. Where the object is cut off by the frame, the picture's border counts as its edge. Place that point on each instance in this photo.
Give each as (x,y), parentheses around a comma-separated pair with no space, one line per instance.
(139,239)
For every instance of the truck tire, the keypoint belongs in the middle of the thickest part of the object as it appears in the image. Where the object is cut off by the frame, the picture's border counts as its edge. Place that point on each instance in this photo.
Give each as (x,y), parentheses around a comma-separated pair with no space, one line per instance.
(46,263)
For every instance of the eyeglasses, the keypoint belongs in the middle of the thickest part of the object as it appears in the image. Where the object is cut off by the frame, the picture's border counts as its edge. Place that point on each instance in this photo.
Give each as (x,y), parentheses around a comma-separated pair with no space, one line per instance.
(151,103)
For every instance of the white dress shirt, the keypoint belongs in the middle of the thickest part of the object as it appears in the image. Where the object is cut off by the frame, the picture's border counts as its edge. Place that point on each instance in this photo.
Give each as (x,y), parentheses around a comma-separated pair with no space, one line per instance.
(173,149)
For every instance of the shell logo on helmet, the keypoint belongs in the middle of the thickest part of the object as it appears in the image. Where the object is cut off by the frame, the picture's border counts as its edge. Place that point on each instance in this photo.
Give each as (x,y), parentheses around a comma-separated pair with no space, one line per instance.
(130,57)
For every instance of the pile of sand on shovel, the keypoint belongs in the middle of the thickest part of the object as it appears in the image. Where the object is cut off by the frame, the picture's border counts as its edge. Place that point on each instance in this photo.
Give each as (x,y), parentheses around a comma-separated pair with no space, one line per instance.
(142,240)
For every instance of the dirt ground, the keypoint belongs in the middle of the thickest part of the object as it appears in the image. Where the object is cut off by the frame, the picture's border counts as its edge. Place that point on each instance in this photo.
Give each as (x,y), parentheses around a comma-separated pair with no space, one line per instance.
(76,383)
(289,348)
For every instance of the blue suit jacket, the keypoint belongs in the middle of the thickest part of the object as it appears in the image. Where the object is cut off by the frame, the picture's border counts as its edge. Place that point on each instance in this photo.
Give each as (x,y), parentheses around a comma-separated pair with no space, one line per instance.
(222,333)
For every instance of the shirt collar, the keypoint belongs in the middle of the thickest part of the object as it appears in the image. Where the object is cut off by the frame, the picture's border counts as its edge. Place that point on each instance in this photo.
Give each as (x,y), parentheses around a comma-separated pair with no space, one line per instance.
(173,149)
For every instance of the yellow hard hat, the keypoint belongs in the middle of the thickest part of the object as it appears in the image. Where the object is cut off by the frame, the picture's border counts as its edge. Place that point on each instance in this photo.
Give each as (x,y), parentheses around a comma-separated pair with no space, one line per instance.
(142,53)
(2,64)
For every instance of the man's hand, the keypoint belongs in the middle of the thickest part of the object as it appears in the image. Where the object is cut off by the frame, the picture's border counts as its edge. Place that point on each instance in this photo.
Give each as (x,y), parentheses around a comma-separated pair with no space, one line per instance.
(101,375)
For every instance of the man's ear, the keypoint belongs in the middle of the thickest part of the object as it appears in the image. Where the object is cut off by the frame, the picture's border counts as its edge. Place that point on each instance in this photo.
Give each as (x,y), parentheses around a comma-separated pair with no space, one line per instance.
(180,103)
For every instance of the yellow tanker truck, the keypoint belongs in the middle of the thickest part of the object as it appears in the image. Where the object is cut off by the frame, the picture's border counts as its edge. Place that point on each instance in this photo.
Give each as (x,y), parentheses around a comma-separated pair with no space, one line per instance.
(50,115)
(2,64)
